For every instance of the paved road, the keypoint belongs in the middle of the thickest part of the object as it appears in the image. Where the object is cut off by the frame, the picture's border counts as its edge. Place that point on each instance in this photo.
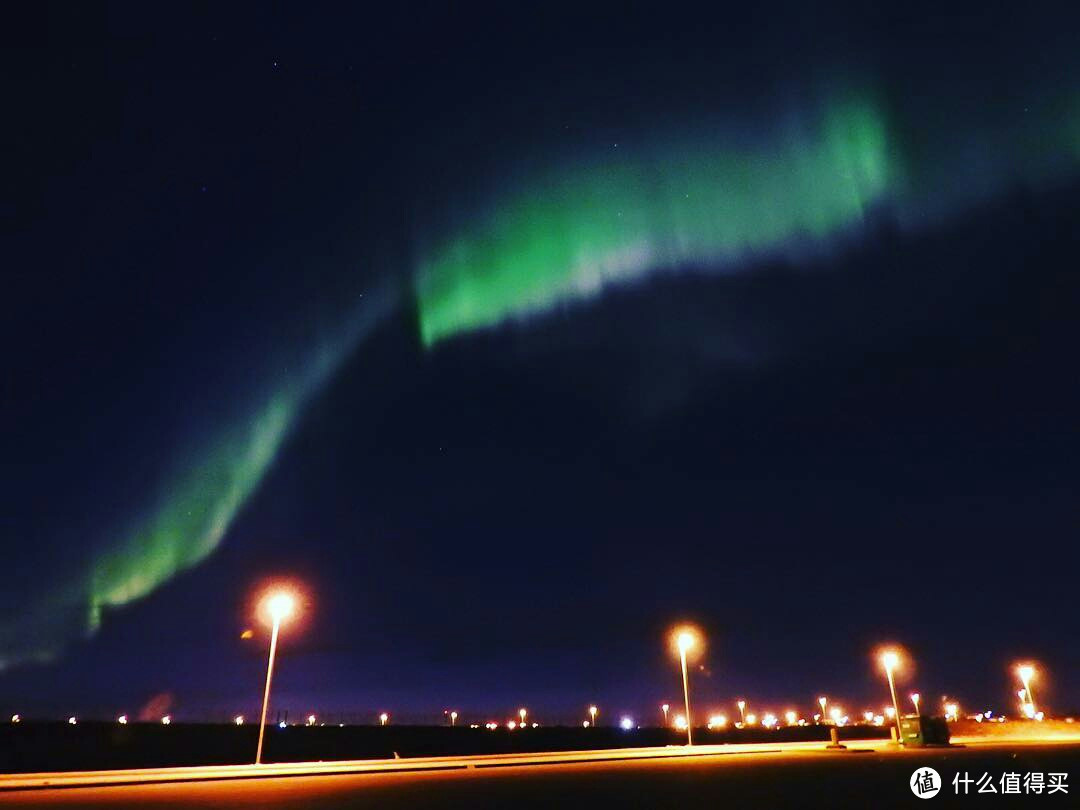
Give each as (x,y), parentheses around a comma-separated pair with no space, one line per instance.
(762,777)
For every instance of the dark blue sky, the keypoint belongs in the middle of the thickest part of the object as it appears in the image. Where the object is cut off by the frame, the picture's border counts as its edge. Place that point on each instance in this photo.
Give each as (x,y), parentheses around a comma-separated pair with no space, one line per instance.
(816,451)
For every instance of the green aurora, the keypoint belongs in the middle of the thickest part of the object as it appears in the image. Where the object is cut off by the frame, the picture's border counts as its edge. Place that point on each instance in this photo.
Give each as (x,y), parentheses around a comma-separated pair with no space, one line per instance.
(617,220)
(703,203)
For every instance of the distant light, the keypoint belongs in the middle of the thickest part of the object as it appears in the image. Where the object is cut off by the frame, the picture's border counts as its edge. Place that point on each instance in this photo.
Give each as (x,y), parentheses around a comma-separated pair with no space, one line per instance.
(868,717)
(166,720)
(664,708)
(790,718)
(751,719)
(474,725)
(680,722)
(1026,672)
(16,718)
(1038,716)
(952,711)
(879,720)
(741,704)
(890,659)
(536,725)
(281,724)
(72,721)
(239,719)
(890,712)
(626,723)
(769,720)
(521,714)
(122,719)
(383,719)
(835,713)
(584,723)
(1029,711)
(512,724)
(249,633)
(311,719)
(453,717)
(717,721)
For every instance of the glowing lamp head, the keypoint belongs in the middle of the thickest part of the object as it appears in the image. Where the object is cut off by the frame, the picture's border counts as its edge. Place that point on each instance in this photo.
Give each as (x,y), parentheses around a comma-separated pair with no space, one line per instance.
(890,659)
(822,701)
(626,723)
(741,704)
(664,708)
(522,713)
(1026,672)
(685,641)
(280,606)
(915,697)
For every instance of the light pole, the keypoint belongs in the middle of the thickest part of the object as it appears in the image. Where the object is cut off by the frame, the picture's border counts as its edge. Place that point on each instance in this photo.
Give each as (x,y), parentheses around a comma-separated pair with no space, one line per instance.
(686,641)
(1026,673)
(453,718)
(384,719)
(890,660)
(821,702)
(742,711)
(280,605)
(915,699)
(592,714)
(521,714)
(664,708)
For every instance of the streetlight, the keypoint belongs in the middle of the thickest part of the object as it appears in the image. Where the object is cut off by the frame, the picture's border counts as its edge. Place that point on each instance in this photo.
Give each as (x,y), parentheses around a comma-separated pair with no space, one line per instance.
(1026,673)
(280,605)
(664,708)
(453,718)
(821,702)
(521,714)
(685,640)
(384,718)
(742,711)
(592,714)
(890,660)
(915,699)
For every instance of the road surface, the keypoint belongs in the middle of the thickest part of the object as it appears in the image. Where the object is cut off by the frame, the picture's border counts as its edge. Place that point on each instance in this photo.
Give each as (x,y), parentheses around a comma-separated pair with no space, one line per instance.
(760,776)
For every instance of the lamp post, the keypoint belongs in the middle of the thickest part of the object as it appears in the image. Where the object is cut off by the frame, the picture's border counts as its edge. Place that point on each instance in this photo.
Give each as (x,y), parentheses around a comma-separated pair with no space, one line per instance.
(915,699)
(686,641)
(280,605)
(890,660)
(1026,673)
(742,711)
(664,708)
(821,702)
(592,714)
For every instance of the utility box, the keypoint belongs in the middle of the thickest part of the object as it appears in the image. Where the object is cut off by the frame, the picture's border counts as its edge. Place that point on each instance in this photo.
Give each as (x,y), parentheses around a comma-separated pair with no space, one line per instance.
(917,731)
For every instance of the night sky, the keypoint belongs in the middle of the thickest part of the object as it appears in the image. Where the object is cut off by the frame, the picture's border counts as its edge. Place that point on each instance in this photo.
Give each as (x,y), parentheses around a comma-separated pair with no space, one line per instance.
(518,337)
